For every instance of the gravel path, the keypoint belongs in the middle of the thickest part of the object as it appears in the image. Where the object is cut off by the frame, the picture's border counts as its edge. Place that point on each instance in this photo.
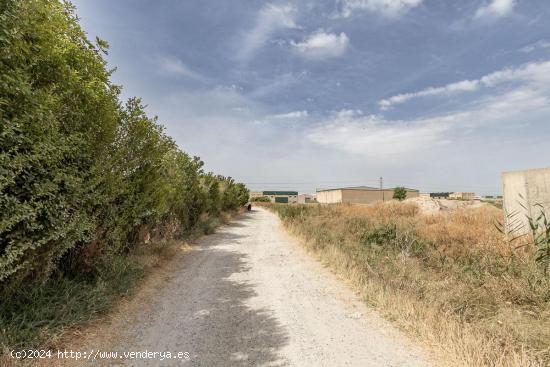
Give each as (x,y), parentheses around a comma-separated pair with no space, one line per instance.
(250,296)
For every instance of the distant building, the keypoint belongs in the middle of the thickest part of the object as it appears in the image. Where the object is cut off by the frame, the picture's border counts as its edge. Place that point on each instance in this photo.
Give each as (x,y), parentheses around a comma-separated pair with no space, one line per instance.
(305,198)
(462,196)
(288,197)
(359,195)
(255,194)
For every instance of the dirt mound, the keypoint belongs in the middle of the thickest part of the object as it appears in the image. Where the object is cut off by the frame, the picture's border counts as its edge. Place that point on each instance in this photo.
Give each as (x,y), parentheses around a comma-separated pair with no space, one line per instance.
(434,206)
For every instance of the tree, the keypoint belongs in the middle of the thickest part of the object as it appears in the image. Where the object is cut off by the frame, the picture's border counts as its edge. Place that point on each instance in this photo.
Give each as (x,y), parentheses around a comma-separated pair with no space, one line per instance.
(400,193)
(81,173)
(262,199)
(58,118)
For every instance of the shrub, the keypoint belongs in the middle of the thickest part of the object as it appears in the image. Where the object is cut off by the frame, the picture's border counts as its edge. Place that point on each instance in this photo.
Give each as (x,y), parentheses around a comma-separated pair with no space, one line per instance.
(380,235)
(400,193)
(59,115)
(291,212)
(262,199)
(82,175)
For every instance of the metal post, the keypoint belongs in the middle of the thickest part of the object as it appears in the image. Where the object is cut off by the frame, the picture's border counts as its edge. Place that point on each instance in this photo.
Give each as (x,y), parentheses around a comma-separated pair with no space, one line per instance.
(382,188)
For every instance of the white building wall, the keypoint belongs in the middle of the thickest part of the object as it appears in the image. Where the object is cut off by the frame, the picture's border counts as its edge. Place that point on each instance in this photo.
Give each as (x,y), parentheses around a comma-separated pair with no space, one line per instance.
(329,196)
(523,191)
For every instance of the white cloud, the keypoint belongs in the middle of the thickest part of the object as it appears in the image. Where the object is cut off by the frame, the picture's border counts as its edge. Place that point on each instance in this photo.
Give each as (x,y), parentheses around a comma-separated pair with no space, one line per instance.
(278,83)
(514,103)
(542,44)
(377,137)
(290,115)
(270,19)
(535,73)
(374,136)
(495,9)
(173,66)
(343,114)
(462,86)
(388,8)
(320,45)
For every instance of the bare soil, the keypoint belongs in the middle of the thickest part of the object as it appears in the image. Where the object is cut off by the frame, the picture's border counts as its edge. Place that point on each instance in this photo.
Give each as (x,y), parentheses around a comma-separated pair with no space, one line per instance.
(249,295)
(434,206)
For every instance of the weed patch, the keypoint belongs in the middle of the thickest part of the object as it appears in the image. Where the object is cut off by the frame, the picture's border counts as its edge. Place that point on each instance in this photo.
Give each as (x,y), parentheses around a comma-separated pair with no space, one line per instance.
(34,316)
(37,316)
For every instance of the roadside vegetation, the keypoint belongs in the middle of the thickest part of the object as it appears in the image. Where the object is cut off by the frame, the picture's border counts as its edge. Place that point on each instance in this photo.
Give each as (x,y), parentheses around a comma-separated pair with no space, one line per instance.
(88,184)
(400,193)
(452,278)
(261,199)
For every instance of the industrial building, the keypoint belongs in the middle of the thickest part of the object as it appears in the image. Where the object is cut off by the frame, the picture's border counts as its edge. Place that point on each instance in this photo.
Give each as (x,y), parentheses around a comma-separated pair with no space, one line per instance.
(359,195)
(277,196)
(462,196)
(305,198)
(254,195)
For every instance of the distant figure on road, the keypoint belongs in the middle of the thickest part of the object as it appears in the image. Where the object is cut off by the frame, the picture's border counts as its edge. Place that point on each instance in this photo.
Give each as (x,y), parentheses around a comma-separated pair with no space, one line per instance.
(249,207)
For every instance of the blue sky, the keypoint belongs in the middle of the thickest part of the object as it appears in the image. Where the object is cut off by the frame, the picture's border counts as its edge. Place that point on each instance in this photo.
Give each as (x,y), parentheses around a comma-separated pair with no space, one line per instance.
(435,95)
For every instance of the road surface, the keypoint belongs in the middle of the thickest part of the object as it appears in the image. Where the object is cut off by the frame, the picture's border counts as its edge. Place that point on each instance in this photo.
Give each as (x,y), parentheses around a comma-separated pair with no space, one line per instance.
(248,295)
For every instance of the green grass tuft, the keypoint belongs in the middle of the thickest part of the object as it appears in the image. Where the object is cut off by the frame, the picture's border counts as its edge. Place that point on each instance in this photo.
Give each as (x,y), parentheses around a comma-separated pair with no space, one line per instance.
(34,316)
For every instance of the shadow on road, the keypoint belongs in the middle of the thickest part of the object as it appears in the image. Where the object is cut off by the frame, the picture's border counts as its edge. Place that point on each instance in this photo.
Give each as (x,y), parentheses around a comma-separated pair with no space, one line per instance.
(228,332)
(205,310)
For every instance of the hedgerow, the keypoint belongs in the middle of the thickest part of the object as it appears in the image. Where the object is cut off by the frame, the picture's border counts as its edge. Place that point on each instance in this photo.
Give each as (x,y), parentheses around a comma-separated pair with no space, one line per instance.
(81,173)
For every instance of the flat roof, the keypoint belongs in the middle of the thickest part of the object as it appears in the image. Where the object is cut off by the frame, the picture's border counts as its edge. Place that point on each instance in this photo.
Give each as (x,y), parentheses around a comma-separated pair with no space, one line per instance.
(364,188)
(526,171)
(289,193)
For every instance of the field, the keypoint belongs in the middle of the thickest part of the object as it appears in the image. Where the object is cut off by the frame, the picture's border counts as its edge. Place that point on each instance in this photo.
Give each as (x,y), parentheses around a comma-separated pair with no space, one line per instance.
(451,278)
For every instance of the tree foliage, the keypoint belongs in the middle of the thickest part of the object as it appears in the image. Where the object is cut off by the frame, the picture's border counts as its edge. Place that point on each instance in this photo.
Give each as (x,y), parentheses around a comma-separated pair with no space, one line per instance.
(77,166)
(262,199)
(400,193)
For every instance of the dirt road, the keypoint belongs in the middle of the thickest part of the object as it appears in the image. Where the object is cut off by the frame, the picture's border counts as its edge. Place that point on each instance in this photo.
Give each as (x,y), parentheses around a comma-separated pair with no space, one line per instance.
(250,296)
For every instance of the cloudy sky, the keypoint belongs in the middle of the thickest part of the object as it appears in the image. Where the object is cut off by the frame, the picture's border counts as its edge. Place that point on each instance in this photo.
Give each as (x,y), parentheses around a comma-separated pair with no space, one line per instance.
(431,94)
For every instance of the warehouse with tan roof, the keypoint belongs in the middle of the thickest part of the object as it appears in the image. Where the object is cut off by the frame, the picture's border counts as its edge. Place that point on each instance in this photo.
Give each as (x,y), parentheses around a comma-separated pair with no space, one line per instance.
(359,195)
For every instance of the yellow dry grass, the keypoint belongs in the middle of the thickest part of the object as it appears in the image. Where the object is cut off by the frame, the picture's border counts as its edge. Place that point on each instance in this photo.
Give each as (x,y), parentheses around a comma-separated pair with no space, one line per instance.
(450,279)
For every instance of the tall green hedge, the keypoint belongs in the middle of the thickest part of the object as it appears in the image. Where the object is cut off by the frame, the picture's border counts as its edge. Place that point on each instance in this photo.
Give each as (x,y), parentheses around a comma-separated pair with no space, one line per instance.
(77,166)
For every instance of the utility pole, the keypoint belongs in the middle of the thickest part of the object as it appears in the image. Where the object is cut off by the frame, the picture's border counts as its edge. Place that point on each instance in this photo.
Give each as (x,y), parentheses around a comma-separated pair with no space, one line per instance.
(382,188)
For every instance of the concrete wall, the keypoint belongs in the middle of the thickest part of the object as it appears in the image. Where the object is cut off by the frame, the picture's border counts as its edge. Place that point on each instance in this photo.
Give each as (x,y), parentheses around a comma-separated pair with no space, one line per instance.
(365,196)
(329,197)
(527,188)
(463,195)
(304,198)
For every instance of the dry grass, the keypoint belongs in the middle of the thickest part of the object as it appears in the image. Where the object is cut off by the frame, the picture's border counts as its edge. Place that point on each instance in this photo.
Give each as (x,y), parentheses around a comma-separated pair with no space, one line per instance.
(465,232)
(450,278)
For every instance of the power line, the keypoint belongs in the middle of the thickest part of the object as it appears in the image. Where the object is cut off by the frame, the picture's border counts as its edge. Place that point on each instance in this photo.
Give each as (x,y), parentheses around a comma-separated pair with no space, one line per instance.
(382,188)
(392,183)
(428,186)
